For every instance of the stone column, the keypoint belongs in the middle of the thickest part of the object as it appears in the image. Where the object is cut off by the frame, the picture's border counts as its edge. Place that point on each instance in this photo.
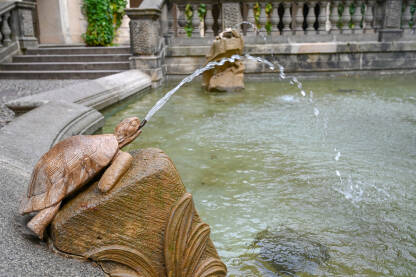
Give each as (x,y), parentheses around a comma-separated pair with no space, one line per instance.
(391,29)
(147,42)
(24,24)
(231,15)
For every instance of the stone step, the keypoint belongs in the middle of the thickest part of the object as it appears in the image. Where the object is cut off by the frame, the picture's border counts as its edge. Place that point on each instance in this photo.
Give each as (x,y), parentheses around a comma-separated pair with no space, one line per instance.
(49,66)
(64,74)
(77,50)
(71,58)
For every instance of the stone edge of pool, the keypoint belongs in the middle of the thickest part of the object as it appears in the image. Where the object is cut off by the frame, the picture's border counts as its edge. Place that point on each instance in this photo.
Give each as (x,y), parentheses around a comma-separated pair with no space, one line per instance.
(44,120)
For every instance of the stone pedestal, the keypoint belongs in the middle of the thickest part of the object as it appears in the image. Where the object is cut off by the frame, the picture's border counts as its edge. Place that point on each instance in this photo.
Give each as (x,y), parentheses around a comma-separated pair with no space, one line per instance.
(147,42)
(391,29)
(24,24)
(146,225)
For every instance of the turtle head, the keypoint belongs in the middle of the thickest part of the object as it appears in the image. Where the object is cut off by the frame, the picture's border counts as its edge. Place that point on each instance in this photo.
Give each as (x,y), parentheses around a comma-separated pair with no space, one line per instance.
(127,131)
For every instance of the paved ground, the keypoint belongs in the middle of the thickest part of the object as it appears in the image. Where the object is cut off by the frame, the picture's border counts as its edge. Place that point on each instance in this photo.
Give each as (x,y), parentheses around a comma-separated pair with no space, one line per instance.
(12,89)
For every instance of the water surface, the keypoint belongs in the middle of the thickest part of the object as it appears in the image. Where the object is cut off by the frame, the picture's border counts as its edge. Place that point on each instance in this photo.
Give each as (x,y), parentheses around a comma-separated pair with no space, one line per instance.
(267,160)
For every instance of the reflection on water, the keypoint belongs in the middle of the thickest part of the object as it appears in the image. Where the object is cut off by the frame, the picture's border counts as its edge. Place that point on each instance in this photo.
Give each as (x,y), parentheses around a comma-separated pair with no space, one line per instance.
(268,157)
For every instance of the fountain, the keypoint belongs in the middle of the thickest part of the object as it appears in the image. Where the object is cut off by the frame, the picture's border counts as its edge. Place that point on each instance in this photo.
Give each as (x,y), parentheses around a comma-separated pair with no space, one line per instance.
(230,76)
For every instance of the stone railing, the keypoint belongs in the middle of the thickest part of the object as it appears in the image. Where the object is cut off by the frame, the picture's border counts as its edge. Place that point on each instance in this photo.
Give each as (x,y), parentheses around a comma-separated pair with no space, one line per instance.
(16,27)
(293,21)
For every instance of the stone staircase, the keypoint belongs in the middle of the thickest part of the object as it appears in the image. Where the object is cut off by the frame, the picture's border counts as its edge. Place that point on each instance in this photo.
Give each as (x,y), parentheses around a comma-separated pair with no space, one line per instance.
(67,62)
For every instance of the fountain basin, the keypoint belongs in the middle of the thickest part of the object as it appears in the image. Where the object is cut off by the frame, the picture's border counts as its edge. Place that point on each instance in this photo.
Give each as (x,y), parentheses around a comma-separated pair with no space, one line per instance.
(265,159)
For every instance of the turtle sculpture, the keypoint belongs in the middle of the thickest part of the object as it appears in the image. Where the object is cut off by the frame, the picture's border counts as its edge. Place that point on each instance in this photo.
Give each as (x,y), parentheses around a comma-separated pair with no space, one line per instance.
(72,163)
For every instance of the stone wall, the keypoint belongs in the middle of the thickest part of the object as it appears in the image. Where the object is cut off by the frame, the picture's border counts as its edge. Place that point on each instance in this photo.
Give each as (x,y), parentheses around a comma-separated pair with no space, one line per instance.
(62,22)
(307,59)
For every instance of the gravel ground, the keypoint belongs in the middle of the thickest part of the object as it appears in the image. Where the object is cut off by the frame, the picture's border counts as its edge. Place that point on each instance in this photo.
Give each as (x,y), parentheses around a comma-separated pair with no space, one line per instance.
(12,89)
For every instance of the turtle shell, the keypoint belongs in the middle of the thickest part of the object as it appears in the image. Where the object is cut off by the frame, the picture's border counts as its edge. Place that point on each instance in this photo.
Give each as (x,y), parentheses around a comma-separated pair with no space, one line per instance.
(66,167)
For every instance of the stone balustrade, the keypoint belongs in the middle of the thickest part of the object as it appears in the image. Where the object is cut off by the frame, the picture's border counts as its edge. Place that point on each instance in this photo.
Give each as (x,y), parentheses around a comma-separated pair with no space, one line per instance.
(318,19)
(16,27)
(290,21)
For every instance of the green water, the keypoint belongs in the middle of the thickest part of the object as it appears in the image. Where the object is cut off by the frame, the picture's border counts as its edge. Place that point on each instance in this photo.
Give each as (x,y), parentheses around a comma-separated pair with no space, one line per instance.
(262,160)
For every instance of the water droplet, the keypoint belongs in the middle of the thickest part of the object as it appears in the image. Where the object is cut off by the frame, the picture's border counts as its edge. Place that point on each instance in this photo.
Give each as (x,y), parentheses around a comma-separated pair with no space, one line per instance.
(337,172)
(315,112)
(303,93)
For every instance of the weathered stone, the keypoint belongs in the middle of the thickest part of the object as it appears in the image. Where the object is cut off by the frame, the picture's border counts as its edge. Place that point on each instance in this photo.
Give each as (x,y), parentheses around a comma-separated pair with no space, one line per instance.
(145,226)
(230,76)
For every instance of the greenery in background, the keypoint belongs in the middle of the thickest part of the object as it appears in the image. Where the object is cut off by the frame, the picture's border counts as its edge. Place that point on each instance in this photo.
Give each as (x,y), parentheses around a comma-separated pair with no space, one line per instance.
(268,10)
(104,17)
(117,8)
(256,11)
(188,16)
(202,10)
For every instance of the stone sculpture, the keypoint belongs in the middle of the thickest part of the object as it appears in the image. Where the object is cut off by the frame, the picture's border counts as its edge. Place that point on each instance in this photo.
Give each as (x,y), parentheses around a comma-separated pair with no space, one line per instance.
(230,76)
(71,164)
(147,225)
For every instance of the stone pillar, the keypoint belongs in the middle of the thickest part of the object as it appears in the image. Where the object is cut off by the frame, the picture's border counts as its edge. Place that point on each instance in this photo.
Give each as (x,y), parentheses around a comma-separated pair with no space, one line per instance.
(391,29)
(147,42)
(231,15)
(24,24)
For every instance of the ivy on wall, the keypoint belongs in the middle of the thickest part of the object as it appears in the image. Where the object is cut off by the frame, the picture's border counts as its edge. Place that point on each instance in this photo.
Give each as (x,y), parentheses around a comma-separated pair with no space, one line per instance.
(104,17)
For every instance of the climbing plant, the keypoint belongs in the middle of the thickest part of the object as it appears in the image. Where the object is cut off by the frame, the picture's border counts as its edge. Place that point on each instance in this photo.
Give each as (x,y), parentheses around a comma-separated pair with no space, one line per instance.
(188,16)
(268,10)
(257,11)
(104,17)
(117,8)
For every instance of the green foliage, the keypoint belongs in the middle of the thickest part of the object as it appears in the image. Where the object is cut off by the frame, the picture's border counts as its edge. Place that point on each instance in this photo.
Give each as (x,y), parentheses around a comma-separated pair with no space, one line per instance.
(104,17)
(117,8)
(202,11)
(268,9)
(188,16)
(257,11)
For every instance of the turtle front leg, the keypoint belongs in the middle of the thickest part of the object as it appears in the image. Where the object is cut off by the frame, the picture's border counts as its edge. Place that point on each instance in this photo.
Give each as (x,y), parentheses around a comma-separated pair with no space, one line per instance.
(118,167)
(40,221)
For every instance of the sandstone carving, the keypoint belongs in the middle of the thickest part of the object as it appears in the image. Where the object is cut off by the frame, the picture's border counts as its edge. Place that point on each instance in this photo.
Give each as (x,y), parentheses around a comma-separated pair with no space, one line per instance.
(230,76)
(146,225)
(72,163)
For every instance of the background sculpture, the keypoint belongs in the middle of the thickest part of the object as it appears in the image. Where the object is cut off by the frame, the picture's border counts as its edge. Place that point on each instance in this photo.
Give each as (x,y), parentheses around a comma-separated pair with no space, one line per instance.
(230,76)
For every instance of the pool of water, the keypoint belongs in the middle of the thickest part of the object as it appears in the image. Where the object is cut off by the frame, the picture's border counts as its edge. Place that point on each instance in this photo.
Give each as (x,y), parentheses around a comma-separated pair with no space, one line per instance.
(294,185)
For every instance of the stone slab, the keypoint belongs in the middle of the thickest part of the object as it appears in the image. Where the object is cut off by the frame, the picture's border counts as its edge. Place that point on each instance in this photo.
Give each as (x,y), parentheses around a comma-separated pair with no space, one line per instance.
(98,94)
(25,139)
(22,142)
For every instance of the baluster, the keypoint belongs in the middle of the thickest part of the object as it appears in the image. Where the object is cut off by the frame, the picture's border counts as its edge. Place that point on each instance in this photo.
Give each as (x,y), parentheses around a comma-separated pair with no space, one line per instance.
(181,19)
(209,21)
(346,18)
(263,17)
(274,17)
(1,35)
(334,18)
(357,17)
(287,18)
(406,16)
(369,17)
(219,20)
(195,20)
(310,18)
(322,17)
(299,19)
(250,17)
(5,29)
